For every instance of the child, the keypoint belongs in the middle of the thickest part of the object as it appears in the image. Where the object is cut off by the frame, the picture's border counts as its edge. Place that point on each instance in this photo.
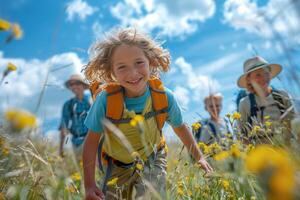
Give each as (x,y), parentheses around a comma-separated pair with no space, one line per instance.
(73,115)
(263,103)
(215,128)
(128,61)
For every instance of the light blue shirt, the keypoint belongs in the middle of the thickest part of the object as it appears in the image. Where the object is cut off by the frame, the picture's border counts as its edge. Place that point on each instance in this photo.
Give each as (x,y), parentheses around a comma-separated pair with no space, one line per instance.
(98,110)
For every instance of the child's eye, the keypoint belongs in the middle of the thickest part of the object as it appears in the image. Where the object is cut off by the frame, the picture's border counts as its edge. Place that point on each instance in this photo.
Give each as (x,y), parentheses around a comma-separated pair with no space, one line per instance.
(140,62)
(121,67)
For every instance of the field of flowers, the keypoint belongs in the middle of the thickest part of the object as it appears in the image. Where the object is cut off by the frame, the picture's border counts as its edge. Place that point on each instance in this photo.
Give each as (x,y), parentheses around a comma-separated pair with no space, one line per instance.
(32,169)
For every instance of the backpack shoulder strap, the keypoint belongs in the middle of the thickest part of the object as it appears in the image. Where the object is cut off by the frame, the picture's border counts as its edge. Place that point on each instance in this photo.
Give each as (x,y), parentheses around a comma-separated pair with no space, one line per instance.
(115,101)
(213,129)
(253,107)
(95,89)
(159,101)
(278,100)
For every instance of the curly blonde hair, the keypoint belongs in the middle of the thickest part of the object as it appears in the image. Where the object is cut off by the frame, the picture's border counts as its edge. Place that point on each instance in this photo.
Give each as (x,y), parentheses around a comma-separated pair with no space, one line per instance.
(99,68)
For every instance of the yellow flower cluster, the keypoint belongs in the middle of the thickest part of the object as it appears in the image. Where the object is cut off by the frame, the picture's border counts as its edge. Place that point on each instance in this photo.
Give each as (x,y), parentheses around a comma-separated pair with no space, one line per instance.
(136,120)
(234,151)
(180,188)
(139,166)
(112,182)
(281,181)
(196,126)
(20,119)
(76,176)
(225,184)
(236,116)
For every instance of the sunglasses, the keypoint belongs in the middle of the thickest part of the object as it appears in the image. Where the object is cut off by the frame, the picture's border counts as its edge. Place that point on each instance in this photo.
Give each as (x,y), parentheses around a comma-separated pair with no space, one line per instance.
(75,83)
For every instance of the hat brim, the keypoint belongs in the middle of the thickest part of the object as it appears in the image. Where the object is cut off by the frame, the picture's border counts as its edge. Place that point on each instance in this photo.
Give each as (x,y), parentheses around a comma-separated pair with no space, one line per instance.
(67,84)
(275,70)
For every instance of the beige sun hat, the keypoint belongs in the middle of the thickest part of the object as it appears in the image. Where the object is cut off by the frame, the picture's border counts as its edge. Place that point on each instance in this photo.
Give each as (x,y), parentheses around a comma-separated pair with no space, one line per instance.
(76,77)
(256,63)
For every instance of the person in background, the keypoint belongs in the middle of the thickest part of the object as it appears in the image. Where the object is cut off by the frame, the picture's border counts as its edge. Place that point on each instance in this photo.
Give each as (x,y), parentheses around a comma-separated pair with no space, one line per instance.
(74,113)
(214,128)
(264,108)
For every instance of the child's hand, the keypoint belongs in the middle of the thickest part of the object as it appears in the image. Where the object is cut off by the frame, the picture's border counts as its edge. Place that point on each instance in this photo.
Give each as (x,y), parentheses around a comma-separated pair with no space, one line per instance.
(94,193)
(205,166)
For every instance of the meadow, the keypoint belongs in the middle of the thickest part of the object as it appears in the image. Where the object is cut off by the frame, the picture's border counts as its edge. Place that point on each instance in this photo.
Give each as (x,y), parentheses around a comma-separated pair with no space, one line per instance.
(32,169)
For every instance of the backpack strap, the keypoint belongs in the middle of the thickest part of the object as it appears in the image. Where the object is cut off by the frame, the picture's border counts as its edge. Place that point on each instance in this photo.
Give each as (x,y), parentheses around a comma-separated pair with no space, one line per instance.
(213,129)
(95,89)
(159,101)
(115,101)
(253,107)
(278,100)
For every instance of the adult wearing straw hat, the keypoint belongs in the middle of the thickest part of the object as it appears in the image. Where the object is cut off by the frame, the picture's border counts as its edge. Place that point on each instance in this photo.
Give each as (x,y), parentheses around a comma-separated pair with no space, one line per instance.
(74,113)
(264,107)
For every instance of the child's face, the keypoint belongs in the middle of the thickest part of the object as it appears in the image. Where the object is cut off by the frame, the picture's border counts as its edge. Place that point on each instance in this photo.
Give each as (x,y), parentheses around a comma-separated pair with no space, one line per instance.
(131,69)
(261,77)
(214,107)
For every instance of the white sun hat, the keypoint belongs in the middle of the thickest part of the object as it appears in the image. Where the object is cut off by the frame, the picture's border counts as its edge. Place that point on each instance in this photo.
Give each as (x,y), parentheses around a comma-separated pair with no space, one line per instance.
(256,63)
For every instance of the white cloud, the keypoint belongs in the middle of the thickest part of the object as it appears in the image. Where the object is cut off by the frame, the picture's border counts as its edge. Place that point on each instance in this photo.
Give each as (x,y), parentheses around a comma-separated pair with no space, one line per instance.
(277,16)
(169,17)
(97,30)
(198,84)
(79,8)
(182,95)
(22,88)
(221,63)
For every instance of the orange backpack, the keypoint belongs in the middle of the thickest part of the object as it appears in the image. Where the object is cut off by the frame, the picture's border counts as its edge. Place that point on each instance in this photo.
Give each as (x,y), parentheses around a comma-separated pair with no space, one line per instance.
(115,100)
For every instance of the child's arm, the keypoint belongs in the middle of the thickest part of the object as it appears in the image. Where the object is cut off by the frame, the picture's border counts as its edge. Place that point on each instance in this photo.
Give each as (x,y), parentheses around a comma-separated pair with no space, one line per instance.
(186,137)
(89,157)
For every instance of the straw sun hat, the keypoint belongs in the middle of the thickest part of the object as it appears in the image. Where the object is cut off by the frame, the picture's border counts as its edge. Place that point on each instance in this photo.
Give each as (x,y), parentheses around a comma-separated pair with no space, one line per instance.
(76,78)
(256,63)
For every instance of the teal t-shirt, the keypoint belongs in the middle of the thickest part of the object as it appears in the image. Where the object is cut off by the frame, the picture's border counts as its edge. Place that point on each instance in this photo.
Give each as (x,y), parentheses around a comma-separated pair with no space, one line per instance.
(98,110)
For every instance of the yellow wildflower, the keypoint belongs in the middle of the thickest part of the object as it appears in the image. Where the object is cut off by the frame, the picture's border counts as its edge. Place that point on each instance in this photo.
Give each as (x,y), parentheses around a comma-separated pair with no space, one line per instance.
(221,156)
(268,124)
(5,151)
(4,25)
(2,141)
(11,67)
(196,126)
(112,182)
(267,117)
(139,166)
(236,116)
(71,188)
(136,119)
(256,128)
(180,191)
(17,31)
(225,184)
(281,181)
(235,151)
(189,193)
(76,176)
(20,119)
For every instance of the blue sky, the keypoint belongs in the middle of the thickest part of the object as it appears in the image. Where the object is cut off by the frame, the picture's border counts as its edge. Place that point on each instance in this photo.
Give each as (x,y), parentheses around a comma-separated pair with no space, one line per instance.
(208,41)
